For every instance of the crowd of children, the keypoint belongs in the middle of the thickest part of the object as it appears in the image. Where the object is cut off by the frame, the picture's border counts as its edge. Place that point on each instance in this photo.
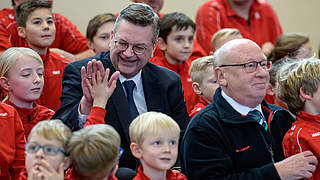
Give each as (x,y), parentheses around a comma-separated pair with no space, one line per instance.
(34,147)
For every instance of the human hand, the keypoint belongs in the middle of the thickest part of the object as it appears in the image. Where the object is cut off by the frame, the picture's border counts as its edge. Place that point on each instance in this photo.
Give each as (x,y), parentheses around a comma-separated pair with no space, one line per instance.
(70,57)
(93,67)
(44,171)
(298,166)
(101,89)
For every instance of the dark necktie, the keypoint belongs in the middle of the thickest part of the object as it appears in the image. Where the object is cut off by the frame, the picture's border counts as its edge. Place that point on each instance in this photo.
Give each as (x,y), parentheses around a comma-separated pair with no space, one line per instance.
(129,86)
(257,116)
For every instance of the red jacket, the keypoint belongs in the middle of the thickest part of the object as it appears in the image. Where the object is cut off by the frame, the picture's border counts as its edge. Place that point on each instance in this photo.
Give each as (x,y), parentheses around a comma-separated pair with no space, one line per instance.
(183,70)
(198,107)
(54,65)
(213,15)
(304,135)
(96,116)
(30,117)
(68,37)
(171,175)
(12,142)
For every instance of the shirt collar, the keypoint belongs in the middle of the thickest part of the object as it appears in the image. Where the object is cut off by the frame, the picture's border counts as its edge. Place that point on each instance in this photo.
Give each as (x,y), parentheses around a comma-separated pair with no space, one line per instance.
(136,79)
(244,110)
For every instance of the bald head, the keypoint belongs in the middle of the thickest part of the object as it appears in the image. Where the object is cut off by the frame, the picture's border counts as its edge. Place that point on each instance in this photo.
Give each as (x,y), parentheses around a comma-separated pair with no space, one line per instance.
(234,49)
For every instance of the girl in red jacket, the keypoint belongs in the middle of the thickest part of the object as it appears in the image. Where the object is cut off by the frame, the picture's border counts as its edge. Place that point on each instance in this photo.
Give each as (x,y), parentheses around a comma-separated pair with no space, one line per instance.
(21,76)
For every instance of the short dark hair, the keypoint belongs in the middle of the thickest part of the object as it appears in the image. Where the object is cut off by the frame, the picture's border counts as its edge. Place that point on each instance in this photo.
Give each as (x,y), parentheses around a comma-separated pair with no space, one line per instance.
(142,15)
(27,7)
(180,20)
(95,23)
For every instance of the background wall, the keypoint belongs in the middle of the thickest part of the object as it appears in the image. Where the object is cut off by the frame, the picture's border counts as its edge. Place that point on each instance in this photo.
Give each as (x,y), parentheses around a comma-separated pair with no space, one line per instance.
(294,15)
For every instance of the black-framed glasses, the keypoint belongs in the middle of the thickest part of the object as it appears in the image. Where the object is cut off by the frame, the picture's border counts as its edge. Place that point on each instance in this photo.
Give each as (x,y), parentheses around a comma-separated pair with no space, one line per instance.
(252,66)
(48,149)
(124,45)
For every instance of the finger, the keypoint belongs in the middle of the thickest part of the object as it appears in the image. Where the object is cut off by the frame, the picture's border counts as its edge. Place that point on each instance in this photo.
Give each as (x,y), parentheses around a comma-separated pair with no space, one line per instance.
(114,77)
(83,73)
(89,68)
(100,68)
(106,76)
(98,77)
(61,169)
(94,66)
(89,85)
(307,153)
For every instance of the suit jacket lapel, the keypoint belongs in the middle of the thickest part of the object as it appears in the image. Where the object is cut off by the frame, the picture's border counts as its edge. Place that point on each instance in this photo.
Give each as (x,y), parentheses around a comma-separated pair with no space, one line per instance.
(152,89)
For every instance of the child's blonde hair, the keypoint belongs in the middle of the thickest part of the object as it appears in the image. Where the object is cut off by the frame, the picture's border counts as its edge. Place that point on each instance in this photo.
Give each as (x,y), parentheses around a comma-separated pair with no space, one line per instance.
(94,149)
(10,56)
(223,34)
(304,74)
(151,122)
(198,68)
(52,129)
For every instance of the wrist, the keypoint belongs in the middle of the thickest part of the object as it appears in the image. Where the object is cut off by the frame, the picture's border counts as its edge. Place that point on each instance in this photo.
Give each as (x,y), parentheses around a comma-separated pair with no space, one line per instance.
(85,106)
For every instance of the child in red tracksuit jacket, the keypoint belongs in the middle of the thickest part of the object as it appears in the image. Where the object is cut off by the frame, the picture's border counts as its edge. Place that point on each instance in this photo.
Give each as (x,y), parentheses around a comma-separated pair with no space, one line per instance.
(36,25)
(12,142)
(299,87)
(21,72)
(154,141)
(176,41)
(204,83)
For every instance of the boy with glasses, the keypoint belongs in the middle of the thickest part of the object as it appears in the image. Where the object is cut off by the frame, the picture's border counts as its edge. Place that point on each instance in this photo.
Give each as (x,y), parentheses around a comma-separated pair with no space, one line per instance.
(46,155)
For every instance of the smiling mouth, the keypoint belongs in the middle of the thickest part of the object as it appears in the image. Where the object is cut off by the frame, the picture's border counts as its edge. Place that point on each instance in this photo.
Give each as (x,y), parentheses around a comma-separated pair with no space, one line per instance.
(127,61)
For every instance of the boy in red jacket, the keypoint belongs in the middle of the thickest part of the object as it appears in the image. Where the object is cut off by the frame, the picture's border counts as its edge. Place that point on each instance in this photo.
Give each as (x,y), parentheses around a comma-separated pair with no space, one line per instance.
(36,25)
(204,83)
(299,87)
(154,141)
(176,41)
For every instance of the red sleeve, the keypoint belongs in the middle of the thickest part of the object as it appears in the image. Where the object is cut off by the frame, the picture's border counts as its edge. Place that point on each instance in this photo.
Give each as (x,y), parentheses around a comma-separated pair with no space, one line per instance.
(68,36)
(96,116)
(19,162)
(4,38)
(207,21)
(274,23)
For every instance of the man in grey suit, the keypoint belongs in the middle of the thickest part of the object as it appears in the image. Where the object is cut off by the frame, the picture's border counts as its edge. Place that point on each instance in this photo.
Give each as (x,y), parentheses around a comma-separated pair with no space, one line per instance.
(155,88)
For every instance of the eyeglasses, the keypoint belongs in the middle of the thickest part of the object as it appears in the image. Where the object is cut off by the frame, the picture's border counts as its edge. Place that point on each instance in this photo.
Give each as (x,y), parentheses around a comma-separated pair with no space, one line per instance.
(49,150)
(123,45)
(252,66)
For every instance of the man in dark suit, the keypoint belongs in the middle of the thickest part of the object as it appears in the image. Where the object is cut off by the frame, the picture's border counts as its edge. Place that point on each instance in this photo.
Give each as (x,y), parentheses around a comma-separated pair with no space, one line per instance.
(155,89)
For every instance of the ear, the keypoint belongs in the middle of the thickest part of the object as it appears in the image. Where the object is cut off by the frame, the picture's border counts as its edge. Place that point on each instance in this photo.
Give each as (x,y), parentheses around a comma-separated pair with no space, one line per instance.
(220,77)
(67,162)
(136,150)
(4,83)
(270,90)
(196,88)
(305,96)
(22,32)
(90,44)
(162,44)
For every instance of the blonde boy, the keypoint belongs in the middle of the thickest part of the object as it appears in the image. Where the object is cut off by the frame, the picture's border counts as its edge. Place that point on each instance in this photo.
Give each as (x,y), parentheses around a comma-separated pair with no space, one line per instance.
(46,155)
(94,151)
(298,86)
(222,36)
(154,141)
(204,83)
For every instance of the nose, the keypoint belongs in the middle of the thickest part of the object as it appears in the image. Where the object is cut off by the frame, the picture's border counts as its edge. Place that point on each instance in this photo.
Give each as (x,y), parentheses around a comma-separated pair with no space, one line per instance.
(45,25)
(36,78)
(40,153)
(166,148)
(187,43)
(128,52)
